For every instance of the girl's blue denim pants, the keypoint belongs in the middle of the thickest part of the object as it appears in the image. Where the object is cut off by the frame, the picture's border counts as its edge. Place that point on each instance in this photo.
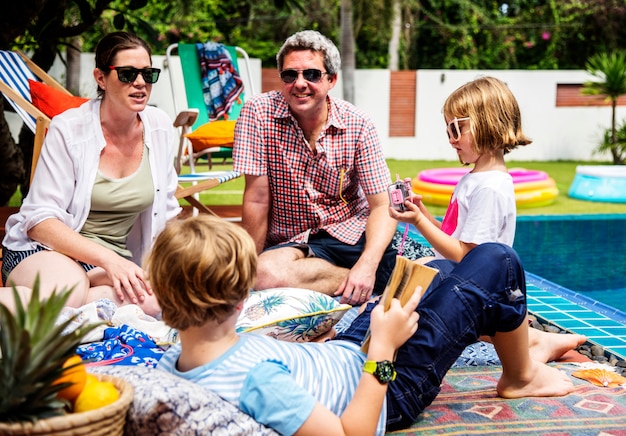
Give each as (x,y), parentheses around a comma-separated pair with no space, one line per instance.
(483,294)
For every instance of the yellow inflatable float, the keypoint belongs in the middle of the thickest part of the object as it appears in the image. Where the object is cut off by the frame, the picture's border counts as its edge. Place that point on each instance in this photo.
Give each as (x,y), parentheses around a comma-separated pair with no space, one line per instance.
(533,188)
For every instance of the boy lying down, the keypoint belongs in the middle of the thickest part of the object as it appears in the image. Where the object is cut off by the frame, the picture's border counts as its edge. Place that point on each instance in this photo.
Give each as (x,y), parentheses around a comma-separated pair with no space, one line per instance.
(201,270)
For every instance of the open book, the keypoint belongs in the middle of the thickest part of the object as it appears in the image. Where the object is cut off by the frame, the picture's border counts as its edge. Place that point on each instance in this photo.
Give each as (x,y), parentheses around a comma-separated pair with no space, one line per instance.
(405,278)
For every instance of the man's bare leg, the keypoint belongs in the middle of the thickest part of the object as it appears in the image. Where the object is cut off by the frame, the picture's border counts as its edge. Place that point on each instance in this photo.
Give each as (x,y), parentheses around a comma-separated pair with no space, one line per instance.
(523,376)
(288,267)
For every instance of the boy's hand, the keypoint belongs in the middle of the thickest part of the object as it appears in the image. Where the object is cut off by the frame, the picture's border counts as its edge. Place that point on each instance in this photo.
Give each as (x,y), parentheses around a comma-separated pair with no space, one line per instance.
(394,327)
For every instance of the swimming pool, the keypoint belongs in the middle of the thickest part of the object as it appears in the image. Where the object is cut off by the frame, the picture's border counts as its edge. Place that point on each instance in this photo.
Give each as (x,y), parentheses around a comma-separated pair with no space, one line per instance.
(583,253)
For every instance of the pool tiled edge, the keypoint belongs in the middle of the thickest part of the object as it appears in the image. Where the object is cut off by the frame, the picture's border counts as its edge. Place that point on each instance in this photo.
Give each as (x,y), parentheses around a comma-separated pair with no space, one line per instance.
(603,325)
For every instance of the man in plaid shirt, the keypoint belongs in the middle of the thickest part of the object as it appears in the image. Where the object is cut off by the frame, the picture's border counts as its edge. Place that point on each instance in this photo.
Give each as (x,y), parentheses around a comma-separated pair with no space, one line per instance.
(315,200)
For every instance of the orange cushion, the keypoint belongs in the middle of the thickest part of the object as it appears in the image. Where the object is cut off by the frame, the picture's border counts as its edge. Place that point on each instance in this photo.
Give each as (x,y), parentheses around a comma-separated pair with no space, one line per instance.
(51,101)
(219,133)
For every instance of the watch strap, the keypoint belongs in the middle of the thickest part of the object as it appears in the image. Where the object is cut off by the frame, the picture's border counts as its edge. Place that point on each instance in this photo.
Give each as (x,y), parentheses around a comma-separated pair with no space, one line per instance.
(384,371)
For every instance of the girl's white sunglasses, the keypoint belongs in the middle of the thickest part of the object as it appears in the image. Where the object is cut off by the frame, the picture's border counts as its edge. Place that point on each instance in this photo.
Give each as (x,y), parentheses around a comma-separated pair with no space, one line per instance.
(454,131)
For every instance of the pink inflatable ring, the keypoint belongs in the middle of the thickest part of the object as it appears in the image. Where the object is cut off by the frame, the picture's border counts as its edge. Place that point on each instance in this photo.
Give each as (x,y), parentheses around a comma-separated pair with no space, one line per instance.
(533,188)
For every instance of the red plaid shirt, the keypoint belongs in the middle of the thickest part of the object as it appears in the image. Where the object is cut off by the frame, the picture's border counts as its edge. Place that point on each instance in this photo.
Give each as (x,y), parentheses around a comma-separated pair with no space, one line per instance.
(310,191)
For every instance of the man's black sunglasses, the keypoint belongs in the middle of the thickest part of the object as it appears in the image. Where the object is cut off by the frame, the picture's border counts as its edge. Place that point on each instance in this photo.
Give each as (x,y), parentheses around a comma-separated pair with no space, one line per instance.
(310,75)
(129,74)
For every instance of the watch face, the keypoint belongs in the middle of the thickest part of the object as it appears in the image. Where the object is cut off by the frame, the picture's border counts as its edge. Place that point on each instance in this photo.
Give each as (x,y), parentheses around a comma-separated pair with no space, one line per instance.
(385,372)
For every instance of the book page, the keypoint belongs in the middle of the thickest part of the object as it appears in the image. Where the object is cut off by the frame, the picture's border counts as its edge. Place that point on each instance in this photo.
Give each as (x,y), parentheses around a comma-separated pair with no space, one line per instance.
(405,278)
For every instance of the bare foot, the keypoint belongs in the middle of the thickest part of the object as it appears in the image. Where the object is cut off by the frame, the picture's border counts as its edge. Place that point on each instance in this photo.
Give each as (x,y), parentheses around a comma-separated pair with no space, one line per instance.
(541,381)
(547,347)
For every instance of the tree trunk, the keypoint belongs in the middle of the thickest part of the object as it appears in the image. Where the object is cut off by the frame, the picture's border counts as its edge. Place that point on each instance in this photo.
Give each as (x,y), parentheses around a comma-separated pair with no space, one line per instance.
(614,144)
(347,50)
(394,42)
(11,161)
(72,81)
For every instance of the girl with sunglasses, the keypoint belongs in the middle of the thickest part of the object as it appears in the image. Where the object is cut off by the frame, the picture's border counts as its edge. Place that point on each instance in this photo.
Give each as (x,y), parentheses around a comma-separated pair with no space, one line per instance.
(103,189)
(483,123)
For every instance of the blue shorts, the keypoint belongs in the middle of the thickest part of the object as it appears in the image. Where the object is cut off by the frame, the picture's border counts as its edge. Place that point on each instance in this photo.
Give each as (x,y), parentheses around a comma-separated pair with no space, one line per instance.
(10,259)
(324,246)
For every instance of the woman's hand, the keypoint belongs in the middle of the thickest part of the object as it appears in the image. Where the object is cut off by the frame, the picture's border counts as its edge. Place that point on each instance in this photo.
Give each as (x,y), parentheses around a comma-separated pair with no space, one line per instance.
(127,279)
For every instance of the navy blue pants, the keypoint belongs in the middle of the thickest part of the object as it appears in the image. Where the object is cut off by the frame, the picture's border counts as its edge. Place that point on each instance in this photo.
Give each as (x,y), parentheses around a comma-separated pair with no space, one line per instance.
(483,294)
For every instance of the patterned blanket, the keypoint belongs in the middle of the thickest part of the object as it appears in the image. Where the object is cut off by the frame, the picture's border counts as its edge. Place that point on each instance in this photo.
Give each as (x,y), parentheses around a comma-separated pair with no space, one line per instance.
(468,404)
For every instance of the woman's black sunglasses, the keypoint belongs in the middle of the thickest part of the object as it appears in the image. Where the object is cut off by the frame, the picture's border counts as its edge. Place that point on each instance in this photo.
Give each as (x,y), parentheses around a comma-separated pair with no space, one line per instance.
(310,75)
(129,74)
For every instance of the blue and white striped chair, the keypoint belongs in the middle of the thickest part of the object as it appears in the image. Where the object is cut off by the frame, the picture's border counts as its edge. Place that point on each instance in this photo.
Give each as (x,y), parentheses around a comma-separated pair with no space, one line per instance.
(15,71)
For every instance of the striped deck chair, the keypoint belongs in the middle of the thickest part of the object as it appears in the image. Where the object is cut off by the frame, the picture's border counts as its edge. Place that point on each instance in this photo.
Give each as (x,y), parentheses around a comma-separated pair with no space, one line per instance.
(193,118)
(15,71)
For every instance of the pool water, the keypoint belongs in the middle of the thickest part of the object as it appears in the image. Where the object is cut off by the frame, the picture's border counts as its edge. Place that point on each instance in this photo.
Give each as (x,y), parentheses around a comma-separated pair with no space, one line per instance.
(613,297)
(583,253)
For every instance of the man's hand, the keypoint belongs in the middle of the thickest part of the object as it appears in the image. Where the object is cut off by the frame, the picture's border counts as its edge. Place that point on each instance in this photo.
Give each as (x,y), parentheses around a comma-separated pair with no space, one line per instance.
(358,286)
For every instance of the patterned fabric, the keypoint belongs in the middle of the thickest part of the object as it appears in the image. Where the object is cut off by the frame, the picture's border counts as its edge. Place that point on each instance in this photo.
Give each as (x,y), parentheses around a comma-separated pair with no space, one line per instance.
(122,345)
(468,404)
(167,405)
(290,314)
(221,84)
(411,249)
(325,190)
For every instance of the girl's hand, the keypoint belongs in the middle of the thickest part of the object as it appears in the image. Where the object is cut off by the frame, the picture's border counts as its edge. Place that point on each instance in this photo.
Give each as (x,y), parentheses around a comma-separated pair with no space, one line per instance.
(412,214)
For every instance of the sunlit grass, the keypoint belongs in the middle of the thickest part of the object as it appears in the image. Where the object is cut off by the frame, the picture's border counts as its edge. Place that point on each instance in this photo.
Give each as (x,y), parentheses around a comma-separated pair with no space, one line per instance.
(563,172)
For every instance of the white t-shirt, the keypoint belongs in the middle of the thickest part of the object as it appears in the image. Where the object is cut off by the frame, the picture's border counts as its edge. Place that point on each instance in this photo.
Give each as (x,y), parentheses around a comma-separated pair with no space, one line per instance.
(482,209)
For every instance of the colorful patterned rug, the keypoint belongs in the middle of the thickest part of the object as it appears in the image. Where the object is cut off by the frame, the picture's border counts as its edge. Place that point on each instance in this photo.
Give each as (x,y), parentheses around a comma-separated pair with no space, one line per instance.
(468,405)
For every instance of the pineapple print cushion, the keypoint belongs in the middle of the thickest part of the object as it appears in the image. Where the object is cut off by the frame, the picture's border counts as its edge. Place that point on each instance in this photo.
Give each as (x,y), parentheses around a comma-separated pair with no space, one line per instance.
(290,314)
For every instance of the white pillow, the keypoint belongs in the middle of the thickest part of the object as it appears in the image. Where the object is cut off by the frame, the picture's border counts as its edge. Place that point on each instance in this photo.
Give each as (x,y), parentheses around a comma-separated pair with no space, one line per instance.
(290,314)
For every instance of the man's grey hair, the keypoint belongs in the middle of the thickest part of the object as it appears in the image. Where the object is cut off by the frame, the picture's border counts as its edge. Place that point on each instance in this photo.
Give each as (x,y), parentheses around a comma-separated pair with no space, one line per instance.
(315,41)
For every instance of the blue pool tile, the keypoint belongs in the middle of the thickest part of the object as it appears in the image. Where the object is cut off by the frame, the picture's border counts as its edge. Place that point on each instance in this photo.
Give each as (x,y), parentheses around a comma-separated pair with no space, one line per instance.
(615,331)
(601,324)
(571,323)
(608,342)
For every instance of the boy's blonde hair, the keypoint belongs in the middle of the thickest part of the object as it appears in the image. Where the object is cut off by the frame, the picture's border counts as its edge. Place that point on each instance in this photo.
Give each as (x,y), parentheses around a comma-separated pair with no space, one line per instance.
(200,268)
(495,117)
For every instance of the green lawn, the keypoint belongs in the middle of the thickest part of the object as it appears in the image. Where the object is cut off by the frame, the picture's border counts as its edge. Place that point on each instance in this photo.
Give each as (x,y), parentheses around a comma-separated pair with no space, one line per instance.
(562,172)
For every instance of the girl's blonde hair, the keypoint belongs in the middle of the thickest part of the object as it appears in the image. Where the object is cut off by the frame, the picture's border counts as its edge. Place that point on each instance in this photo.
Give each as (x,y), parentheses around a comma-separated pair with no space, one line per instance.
(200,268)
(495,118)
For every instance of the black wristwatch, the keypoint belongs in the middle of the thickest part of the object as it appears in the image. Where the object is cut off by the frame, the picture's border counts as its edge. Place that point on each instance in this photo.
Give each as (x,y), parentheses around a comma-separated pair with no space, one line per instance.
(384,371)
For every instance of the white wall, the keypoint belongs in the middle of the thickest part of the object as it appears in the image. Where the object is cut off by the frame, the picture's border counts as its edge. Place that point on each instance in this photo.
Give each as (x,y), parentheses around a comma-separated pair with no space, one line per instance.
(558,133)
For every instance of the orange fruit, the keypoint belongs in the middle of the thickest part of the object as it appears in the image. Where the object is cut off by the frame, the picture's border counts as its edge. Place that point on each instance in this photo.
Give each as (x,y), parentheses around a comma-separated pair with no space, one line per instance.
(74,372)
(95,395)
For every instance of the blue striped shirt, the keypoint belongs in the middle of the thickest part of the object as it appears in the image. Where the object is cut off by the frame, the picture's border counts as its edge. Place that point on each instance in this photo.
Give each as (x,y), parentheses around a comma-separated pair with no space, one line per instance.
(278,382)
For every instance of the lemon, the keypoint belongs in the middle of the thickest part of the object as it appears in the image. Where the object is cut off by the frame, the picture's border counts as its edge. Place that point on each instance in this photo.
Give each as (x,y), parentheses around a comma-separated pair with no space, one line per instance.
(96,394)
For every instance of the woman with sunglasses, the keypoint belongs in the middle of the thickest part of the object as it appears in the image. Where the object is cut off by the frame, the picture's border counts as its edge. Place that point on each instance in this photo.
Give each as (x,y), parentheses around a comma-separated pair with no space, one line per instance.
(315,200)
(103,189)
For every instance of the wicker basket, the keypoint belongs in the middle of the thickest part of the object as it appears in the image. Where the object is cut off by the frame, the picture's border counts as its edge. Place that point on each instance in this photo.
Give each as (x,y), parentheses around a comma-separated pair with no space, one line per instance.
(106,421)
